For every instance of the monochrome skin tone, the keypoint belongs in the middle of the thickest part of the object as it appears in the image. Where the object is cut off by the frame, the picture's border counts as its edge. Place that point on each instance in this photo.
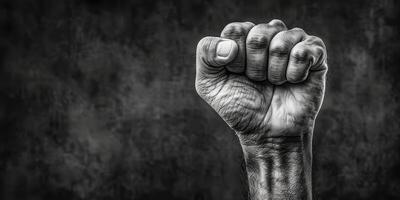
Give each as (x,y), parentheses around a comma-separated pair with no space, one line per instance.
(267,83)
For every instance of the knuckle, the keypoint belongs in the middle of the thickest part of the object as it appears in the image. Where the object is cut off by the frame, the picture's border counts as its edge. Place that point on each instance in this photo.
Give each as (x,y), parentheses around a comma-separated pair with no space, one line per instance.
(279,48)
(296,34)
(204,43)
(206,50)
(205,39)
(249,24)
(236,29)
(277,23)
(259,29)
(297,29)
(318,48)
(314,40)
(300,54)
(320,51)
(257,42)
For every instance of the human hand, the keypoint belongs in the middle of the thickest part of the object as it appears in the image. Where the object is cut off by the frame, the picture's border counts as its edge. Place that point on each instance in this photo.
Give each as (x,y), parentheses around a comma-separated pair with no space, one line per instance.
(263,80)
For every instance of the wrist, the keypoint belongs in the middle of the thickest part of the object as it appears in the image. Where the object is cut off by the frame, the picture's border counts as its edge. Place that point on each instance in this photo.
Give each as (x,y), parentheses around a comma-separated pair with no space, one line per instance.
(273,137)
(279,168)
(272,145)
(277,148)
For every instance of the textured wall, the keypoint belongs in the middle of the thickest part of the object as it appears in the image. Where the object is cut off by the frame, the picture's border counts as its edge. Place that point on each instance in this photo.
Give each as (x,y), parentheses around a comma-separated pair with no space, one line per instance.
(98,101)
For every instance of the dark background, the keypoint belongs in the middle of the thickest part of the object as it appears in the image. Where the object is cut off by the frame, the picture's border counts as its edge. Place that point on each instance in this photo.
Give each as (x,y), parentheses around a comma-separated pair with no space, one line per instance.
(98,100)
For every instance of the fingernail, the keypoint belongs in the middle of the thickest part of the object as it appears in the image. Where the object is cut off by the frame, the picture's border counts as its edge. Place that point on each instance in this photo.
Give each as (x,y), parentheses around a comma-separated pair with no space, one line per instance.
(224,48)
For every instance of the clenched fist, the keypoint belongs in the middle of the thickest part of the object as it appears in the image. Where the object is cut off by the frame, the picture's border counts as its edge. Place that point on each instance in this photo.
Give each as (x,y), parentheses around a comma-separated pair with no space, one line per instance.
(267,83)
(263,80)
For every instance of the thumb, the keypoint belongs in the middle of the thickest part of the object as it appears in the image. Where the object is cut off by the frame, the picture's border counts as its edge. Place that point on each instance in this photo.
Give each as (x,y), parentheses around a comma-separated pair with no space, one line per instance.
(212,54)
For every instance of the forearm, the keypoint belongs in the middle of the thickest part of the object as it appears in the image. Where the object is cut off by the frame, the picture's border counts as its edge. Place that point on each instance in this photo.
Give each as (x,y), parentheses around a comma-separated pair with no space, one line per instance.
(279,168)
(269,88)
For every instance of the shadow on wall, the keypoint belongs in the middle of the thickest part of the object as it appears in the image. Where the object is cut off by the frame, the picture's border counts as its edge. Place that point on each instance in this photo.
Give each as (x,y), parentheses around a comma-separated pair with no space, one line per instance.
(98,99)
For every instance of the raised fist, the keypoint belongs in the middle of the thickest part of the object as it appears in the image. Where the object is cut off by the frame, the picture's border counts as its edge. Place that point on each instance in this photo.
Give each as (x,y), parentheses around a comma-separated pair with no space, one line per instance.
(263,80)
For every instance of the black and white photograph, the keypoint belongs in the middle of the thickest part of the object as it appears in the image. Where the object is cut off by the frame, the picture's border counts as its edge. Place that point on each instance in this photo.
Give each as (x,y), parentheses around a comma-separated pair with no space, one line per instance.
(199,100)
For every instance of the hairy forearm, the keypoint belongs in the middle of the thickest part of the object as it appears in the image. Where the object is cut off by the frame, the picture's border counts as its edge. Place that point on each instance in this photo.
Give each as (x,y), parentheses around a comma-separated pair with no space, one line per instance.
(279,168)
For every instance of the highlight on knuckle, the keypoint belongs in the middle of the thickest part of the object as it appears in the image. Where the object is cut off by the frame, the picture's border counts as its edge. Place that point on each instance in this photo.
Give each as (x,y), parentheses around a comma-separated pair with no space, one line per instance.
(314,40)
(204,43)
(277,23)
(259,29)
(295,34)
(297,30)
(319,51)
(279,48)
(300,54)
(257,42)
(234,29)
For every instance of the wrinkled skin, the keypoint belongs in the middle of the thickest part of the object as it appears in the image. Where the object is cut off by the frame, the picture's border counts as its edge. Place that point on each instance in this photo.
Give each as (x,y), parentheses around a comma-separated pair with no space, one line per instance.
(272,83)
